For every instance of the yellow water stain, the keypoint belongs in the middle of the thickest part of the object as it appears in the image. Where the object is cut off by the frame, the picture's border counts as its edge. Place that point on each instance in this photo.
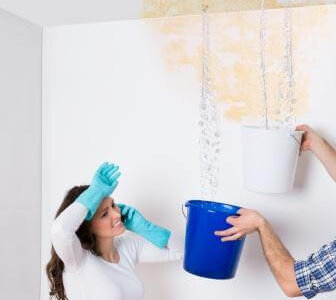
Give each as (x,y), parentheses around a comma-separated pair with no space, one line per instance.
(237,84)
(181,55)
(235,57)
(167,8)
(180,41)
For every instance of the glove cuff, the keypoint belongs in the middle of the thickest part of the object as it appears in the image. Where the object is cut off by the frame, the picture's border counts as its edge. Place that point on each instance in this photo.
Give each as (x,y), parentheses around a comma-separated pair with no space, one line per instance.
(91,199)
(157,235)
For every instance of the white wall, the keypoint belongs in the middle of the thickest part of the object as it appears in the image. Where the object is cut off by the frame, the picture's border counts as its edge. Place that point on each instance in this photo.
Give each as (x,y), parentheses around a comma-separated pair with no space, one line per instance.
(108,96)
(20,157)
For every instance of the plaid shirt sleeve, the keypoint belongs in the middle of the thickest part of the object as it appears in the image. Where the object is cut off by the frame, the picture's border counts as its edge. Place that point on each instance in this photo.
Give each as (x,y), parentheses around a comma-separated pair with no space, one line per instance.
(317,274)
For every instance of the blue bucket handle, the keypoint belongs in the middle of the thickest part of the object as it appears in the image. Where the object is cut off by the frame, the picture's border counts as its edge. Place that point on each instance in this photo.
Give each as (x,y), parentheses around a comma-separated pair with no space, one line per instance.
(186,205)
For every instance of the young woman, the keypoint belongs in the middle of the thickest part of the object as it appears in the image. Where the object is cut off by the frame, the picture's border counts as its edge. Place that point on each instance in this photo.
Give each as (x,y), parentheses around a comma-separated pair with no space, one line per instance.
(90,258)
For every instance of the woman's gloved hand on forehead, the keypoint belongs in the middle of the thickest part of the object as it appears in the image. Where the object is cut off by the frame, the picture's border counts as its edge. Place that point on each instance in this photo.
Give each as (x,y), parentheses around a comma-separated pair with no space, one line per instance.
(104,182)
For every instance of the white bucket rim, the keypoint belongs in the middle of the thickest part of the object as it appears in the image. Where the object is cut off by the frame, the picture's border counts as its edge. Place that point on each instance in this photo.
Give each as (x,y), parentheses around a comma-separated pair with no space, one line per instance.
(273,129)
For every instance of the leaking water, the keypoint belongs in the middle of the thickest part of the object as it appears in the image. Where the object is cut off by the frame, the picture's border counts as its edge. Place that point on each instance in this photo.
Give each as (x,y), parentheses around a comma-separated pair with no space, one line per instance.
(286,93)
(209,134)
(262,36)
(286,97)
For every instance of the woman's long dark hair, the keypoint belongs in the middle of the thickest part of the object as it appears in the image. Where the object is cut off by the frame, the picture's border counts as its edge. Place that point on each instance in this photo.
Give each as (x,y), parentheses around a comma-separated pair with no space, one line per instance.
(55,266)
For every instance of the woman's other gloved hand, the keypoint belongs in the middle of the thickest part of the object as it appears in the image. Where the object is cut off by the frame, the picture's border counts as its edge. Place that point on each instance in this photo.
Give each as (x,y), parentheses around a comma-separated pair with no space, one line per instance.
(135,221)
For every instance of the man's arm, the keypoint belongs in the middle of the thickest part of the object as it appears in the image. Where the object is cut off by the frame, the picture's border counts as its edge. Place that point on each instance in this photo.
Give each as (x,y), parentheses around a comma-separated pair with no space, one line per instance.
(320,147)
(279,259)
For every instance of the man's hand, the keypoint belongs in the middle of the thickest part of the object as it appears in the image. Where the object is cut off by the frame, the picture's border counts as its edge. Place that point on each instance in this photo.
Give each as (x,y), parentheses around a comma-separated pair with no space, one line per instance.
(310,139)
(278,258)
(320,147)
(247,222)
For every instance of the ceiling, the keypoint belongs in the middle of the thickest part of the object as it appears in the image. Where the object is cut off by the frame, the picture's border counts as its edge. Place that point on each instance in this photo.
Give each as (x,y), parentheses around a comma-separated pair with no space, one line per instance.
(61,12)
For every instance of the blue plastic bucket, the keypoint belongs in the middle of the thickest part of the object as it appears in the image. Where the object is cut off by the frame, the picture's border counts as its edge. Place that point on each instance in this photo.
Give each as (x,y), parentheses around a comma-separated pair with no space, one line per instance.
(205,254)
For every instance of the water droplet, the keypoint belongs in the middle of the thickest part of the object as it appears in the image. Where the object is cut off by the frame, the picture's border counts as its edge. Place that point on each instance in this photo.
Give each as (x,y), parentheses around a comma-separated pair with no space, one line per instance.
(202,106)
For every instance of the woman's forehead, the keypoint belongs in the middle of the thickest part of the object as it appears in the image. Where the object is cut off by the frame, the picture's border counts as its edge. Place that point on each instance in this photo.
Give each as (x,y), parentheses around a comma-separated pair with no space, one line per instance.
(106,202)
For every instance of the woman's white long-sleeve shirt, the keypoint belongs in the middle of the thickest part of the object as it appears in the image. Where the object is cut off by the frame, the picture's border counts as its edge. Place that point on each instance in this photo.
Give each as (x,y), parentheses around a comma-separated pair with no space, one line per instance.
(89,277)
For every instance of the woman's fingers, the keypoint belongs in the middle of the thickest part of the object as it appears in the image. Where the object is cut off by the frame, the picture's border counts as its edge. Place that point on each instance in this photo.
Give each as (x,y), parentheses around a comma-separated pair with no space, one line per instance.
(107,169)
(126,211)
(130,213)
(123,209)
(102,166)
(112,171)
(114,177)
(114,185)
(121,206)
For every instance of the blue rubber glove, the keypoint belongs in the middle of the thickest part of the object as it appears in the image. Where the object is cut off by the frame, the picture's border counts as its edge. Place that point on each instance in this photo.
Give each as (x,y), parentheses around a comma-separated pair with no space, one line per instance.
(103,184)
(135,221)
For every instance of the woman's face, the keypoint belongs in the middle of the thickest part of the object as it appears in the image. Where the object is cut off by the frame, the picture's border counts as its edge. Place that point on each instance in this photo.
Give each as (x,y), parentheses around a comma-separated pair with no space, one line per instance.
(107,220)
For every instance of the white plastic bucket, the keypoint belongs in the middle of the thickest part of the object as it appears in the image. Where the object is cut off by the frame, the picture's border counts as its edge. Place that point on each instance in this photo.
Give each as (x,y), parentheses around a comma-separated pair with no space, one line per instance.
(270,158)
